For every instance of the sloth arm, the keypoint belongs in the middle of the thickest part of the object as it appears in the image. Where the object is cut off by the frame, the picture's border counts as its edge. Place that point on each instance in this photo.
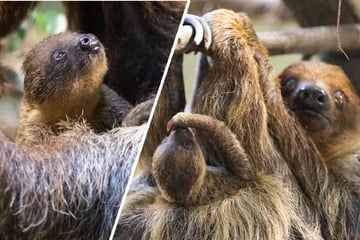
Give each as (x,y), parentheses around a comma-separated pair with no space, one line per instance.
(235,158)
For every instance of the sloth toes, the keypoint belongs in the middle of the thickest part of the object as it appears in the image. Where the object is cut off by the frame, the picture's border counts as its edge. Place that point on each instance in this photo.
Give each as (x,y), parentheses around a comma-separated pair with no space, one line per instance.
(202,30)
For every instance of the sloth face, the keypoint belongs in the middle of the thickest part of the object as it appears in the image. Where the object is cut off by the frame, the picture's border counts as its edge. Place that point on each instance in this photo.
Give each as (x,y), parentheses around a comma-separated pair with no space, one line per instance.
(321,96)
(61,63)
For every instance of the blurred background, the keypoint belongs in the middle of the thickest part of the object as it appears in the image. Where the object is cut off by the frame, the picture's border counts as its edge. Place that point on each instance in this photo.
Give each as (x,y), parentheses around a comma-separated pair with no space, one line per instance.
(45,19)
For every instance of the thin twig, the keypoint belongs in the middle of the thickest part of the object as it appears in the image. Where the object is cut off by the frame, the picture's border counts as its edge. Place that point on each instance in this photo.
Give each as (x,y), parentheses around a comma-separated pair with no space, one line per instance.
(338,42)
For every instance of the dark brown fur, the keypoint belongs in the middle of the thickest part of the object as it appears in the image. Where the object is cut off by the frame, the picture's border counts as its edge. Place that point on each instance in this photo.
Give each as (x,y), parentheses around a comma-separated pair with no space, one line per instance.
(334,126)
(139,114)
(140,32)
(265,120)
(67,88)
(330,196)
(12,14)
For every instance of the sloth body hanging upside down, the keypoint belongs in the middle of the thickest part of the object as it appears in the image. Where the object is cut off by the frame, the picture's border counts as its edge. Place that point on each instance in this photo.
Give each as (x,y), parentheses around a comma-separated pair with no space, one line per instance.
(245,170)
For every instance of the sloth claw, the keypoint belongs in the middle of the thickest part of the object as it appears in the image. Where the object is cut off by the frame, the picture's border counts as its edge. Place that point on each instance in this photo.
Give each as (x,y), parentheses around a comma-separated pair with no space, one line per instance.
(196,39)
(193,21)
(170,125)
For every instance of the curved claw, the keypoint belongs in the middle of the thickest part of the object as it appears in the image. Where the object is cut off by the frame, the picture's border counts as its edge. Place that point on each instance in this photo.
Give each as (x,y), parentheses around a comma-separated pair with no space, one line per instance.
(170,125)
(195,35)
(194,21)
(206,32)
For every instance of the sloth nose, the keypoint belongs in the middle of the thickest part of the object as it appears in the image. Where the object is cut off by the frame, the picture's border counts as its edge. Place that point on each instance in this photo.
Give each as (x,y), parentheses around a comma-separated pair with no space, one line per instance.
(183,136)
(313,98)
(89,42)
(181,133)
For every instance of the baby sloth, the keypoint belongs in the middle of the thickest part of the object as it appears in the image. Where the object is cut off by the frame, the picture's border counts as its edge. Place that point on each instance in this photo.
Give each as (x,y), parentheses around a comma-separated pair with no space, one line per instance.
(193,200)
(179,164)
(63,80)
(178,153)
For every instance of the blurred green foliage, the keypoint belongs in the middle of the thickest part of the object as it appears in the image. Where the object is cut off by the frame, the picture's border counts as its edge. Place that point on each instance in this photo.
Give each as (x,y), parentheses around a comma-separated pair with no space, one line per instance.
(44,17)
(15,38)
(46,21)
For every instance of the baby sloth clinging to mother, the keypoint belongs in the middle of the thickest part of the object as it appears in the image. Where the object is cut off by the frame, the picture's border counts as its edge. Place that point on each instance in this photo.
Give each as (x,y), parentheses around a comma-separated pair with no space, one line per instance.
(64,80)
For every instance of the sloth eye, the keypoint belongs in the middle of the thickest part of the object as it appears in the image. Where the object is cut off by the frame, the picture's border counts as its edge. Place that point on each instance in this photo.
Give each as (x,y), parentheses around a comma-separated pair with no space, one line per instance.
(187,144)
(58,55)
(339,98)
(288,86)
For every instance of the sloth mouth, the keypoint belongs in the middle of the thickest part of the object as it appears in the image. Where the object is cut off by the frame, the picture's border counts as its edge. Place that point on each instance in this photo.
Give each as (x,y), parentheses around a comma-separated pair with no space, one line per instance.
(96,49)
(311,119)
(180,129)
(90,59)
(183,136)
(309,113)
(97,52)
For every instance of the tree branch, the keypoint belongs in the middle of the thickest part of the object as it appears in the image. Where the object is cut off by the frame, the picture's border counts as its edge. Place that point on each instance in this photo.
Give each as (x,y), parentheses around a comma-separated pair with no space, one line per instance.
(309,41)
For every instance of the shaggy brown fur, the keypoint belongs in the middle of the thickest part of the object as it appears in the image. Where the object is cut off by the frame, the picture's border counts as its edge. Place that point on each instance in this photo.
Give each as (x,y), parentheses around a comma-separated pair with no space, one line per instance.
(265,120)
(171,101)
(326,104)
(69,188)
(241,89)
(179,166)
(207,202)
(331,197)
(265,206)
(63,79)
